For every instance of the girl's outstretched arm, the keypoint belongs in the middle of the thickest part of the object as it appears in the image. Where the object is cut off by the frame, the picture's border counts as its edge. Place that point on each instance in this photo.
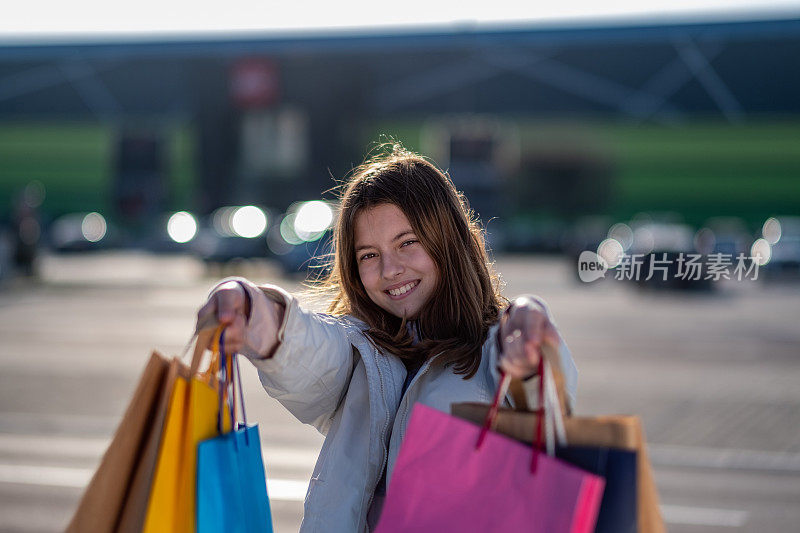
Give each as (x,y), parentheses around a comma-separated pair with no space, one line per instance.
(304,359)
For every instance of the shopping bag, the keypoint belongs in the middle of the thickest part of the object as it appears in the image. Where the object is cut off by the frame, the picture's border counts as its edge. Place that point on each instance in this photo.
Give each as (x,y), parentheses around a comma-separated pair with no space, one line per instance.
(620,432)
(191,417)
(131,519)
(231,486)
(618,468)
(452,475)
(105,496)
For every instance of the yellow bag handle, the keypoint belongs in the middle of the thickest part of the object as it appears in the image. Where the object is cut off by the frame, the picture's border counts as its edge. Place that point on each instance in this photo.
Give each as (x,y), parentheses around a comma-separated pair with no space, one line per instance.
(207,338)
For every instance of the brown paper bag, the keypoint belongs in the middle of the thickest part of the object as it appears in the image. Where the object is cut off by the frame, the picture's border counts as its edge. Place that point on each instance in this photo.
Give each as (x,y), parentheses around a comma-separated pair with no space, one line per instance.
(612,431)
(117,496)
(131,518)
(104,497)
(615,431)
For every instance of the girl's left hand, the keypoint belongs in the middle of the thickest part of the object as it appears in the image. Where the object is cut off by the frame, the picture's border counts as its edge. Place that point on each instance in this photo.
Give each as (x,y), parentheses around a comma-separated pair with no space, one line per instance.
(523,330)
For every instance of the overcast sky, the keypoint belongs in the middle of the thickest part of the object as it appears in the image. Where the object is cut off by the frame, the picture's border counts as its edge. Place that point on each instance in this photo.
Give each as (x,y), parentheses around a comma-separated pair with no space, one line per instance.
(101,18)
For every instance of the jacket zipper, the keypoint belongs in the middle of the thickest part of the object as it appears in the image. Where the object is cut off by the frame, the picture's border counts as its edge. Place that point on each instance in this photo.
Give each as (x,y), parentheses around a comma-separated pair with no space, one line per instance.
(386,424)
(405,397)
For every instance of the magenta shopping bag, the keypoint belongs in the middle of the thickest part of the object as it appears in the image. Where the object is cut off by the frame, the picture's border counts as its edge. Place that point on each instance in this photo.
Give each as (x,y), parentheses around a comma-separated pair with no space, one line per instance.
(444,482)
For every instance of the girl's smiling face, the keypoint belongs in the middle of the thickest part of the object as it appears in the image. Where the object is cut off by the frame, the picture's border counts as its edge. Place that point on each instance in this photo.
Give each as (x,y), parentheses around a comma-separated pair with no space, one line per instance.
(396,271)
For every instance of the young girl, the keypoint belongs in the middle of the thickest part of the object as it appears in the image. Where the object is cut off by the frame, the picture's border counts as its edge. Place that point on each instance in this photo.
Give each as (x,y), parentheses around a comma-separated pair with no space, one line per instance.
(416,317)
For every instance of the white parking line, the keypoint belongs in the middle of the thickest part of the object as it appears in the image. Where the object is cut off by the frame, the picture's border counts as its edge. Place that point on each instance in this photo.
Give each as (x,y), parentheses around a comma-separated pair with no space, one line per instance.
(293,457)
(77,478)
(703,516)
(102,427)
(724,458)
(58,447)
(49,476)
(294,490)
(51,423)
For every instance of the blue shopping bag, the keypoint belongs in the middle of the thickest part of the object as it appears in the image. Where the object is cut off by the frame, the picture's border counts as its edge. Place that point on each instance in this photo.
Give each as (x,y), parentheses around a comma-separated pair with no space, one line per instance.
(231,486)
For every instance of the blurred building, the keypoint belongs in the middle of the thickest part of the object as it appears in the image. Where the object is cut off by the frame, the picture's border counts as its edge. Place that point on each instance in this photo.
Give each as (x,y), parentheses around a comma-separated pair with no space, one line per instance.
(700,118)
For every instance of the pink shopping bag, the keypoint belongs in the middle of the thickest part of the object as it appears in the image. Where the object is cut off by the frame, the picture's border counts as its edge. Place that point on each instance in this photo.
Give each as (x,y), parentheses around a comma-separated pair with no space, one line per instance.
(443,481)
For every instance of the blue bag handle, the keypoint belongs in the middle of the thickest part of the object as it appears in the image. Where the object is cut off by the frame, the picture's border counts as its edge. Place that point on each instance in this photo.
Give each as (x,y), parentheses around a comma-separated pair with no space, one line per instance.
(227,387)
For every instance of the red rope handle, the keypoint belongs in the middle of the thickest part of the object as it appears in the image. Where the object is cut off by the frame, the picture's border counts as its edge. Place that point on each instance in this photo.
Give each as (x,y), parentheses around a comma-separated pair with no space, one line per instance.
(542,412)
(491,416)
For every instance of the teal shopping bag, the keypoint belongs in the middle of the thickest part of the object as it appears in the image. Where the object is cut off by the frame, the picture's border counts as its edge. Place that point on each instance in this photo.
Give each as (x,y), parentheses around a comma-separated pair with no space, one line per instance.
(231,486)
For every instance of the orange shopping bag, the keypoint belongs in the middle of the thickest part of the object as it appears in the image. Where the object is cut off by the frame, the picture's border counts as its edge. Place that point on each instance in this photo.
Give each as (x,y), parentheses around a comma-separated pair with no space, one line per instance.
(191,418)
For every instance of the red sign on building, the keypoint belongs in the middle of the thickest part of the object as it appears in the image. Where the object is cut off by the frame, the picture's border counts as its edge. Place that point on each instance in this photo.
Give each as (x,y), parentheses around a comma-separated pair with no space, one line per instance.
(254,83)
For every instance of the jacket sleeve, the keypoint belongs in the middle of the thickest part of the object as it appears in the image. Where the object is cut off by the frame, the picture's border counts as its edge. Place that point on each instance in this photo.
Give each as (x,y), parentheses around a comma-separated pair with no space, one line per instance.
(310,369)
(568,368)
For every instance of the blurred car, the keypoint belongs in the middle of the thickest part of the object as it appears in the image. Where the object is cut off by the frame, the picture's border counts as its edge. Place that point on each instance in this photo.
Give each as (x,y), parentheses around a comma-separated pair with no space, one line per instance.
(661,245)
(723,235)
(311,259)
(83,232)
(230,232)
(302,241)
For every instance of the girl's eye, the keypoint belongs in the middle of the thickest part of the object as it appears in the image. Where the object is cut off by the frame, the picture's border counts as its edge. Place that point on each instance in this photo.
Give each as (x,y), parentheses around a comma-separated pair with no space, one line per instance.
(367,256)
(412,241)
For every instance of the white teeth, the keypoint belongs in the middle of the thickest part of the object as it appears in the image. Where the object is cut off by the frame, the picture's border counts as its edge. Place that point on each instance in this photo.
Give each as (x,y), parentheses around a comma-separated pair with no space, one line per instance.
(404,289)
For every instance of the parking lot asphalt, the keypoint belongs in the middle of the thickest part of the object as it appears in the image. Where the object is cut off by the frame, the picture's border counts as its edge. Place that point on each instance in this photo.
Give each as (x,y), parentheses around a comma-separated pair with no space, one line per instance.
(715,377)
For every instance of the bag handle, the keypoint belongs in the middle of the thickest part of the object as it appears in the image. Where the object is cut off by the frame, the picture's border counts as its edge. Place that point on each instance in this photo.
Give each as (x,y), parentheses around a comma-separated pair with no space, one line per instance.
(230,378)
(517,390)
(205,338)
(550,420)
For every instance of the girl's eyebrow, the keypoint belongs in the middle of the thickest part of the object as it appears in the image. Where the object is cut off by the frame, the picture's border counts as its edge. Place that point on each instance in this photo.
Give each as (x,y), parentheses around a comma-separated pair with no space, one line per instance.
(397,237)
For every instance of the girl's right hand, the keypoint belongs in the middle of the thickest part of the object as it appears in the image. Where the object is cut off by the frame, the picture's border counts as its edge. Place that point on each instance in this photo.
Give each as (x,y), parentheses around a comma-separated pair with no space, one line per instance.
(524,328)
(228,305)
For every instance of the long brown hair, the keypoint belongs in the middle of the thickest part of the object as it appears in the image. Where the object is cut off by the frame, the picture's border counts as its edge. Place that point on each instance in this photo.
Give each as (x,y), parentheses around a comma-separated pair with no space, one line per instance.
(466,300)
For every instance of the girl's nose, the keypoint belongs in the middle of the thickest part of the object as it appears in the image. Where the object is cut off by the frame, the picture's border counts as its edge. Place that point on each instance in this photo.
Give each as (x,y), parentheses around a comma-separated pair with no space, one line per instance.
(392,266)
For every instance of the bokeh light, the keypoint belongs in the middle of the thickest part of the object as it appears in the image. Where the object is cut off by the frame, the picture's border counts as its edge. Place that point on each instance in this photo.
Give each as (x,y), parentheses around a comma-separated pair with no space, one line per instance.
(93,227)
(221,221)
(611,251)
(287,230)
(34,193)
(276,243)
(772,230)
(761,252)
(644,239)
(622,233)
(248,221)
(182,227)
(312,219)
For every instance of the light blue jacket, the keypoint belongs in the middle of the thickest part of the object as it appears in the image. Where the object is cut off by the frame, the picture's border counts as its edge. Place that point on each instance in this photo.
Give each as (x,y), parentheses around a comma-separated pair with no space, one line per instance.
(327,373)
